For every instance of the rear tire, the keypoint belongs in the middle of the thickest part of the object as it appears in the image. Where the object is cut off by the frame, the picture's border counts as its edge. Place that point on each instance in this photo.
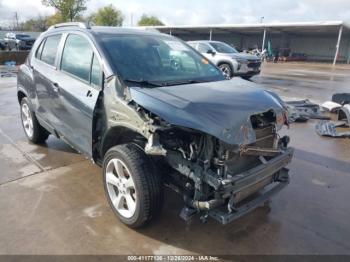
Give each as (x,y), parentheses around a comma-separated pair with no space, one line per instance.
(132,185)
(33,130)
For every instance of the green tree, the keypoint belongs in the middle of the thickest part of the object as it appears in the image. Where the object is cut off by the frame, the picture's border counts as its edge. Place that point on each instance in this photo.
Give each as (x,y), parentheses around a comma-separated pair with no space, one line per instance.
(108,16)
(149,20)
(55,19)
(68,9)
(40,23)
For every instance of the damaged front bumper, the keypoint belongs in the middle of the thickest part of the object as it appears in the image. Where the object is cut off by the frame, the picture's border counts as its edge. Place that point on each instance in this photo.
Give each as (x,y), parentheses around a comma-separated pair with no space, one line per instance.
(251,189)
(225,218)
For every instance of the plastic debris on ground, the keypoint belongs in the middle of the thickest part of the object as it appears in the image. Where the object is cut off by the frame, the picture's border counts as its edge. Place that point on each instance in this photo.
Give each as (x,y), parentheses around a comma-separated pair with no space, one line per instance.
(331,106)
(344,114)
(329,128)
(303,110)
(340,128)
(341,98)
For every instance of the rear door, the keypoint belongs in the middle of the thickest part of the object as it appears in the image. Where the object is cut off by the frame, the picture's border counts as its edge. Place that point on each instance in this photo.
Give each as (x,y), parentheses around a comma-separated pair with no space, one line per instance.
(44,72)
(79,82)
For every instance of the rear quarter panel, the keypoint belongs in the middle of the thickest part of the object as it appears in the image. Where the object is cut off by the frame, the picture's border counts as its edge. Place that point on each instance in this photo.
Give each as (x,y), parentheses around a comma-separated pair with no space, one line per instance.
(25,77)
(25,84)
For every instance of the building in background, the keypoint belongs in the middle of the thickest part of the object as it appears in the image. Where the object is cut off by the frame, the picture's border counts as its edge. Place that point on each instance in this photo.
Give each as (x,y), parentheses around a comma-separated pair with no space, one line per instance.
(327,41)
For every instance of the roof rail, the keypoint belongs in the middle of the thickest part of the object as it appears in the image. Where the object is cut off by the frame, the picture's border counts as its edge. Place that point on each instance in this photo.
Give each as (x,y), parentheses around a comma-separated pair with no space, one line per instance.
(68,24)
(146,28)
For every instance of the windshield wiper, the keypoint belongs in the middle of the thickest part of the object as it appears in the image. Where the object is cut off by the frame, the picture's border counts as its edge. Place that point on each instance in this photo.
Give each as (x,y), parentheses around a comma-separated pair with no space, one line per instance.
(143,82)
(159,84)
(181,82)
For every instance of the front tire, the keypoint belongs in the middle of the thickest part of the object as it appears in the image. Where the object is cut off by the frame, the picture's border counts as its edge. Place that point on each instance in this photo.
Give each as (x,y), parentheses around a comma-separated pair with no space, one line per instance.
(132,185)
(226,70)
(33,130)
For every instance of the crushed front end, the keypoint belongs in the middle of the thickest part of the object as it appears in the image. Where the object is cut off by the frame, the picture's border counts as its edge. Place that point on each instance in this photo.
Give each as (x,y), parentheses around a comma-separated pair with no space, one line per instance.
(219,143)
(222,180)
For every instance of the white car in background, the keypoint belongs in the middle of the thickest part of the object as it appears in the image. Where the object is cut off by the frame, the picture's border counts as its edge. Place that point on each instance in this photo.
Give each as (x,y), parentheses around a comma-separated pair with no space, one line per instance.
(228,59)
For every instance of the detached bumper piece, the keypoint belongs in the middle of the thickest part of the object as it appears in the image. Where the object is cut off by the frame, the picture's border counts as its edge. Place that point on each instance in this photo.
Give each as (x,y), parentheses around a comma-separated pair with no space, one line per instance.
(329,128)
(272,176)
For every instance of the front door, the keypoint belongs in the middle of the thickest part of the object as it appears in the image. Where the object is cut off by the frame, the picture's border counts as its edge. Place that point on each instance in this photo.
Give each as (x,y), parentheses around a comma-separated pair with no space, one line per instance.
(203,48)
(79,81)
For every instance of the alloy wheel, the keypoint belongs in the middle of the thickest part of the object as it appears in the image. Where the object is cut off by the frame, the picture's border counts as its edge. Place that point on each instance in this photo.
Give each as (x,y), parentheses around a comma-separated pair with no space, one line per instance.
(226,71)
(27,120)
(121,187)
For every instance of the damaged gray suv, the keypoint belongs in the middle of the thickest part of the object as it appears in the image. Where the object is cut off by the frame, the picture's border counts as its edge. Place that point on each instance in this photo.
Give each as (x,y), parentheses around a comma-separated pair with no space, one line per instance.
(152,111)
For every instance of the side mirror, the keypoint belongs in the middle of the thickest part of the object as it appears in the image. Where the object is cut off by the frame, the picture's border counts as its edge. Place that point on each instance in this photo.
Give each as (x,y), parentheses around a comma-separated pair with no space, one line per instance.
(211,51)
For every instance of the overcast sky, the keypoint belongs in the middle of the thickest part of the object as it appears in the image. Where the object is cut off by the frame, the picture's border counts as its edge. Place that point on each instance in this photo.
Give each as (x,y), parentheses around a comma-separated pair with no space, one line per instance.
(196,12)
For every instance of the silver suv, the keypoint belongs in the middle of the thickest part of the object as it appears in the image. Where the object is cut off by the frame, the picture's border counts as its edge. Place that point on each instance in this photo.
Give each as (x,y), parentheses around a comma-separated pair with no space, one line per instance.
(228,59)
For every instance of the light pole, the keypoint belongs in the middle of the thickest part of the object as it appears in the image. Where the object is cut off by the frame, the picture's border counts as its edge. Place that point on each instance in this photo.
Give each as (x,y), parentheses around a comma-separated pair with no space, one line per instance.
(338,45)
(261,19)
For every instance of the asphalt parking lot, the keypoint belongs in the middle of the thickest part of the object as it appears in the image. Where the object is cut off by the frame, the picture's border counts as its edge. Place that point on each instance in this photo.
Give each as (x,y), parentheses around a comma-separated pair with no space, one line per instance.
(52,199)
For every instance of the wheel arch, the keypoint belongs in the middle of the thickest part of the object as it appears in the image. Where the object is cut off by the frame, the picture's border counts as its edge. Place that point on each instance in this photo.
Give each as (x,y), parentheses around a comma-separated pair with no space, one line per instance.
(21,93)
(118,135)
(233,69)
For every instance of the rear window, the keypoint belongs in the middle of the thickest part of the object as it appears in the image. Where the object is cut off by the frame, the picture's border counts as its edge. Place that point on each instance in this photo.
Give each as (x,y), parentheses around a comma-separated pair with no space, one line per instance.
(19,36)
(40,50)
(223,47)
(48,54)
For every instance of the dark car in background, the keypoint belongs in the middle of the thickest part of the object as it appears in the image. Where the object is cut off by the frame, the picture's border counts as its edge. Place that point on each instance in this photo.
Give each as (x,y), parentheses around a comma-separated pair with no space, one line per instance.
(152,111)
(18,41)
(2,45)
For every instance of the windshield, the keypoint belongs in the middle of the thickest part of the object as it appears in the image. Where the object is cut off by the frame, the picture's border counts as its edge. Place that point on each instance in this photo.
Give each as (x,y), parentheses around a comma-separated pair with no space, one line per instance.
(223,48)
(162,60)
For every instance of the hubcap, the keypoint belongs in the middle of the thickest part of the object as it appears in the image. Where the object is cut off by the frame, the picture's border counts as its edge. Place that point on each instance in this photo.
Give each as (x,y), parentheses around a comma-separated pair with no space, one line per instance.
(27,120)
(226,72)
(121,188)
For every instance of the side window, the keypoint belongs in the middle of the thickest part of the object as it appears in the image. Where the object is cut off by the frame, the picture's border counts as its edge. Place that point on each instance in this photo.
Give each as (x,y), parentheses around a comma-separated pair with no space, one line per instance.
(77,57)
(40,49)
(48,54)
(202,48)
(96,73)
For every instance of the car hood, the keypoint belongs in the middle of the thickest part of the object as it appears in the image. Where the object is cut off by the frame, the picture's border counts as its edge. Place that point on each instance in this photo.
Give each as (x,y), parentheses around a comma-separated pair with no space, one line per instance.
(221,109)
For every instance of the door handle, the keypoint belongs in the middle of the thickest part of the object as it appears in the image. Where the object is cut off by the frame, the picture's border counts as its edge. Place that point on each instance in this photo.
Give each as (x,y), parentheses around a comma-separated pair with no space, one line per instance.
(55,87)
(89,93)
